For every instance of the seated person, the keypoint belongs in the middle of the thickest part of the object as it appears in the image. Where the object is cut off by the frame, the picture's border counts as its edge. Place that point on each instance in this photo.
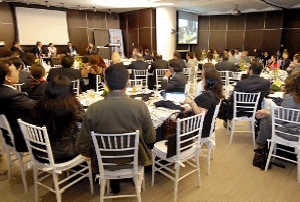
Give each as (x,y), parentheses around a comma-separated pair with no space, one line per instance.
(180,61)
(92,70)
(52,52)
(286,61)
(291,100)
(139,64)
(71,50)
(116,59)
(207,101)
(224,65)
(158,63)
(66,70)
(38,51)
(14,104)
(117,113)
(272,63)
(174,79)
(200,86)
(245,58)
(24,76)
(148,55)
(253,84)
(59,111)
(36,86)
(91,49)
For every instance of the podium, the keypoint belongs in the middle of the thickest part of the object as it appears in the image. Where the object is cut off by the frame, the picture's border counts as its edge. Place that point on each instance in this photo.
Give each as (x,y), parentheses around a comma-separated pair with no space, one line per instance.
(110,46)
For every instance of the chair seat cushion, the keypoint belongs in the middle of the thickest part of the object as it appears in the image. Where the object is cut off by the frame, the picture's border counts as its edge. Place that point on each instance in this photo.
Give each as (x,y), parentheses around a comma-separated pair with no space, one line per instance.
(122,173)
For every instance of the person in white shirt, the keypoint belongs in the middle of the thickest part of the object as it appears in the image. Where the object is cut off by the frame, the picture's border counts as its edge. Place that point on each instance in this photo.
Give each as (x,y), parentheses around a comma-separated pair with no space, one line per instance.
(51,50)
(200,86)
(238,55)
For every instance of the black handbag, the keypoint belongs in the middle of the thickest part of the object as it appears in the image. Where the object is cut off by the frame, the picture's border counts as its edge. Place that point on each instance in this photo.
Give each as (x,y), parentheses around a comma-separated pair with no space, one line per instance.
(261,157)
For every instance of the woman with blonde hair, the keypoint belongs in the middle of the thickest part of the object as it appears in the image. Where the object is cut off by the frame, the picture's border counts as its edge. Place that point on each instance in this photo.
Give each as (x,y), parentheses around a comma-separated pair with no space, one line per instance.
(116,59)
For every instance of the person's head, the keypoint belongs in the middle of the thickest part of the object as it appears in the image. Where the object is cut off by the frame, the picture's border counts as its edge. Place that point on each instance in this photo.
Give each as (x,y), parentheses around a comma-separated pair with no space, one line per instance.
(37,71)
(51,45)
(206,67)
(67,62)
(115,58)
(158,57)
(215,51)
(30,59)
(231,53)
(17,62)
(94,60)
(285,55)
(292,85)
(116,77)
(16,43)
(57,108)
(15,54)
(176,55)
(70,44)
(245,53)
(134,51)
(237,50)
(189,56)
(209,51)
(210,56)
(255,68)
(225,57)
(225,50)
(139,56)
(91,45)
(147,51)
(174,66)
(297,58)
(266,53)
(213,82)
(9,75)
(39,44)
(153,54)
(273,58)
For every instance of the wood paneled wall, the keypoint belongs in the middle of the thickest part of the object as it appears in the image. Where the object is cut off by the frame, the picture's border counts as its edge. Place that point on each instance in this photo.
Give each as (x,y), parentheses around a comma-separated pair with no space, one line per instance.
(139,30)
(81,25)
(261,30)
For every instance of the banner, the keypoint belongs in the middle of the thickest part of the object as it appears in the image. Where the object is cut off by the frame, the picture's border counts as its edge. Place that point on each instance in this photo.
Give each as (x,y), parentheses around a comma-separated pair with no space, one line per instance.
(115,37)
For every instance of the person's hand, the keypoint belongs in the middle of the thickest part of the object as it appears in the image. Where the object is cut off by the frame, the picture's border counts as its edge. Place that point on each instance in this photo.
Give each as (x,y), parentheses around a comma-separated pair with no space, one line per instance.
(187,109)
(168,73)
(187,100)
(262,113)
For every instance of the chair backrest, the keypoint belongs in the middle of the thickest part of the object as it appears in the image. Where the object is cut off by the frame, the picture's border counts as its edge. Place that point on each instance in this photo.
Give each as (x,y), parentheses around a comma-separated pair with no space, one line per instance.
(233,77)
(213,121)
(111,147)
(159,74)
(38,143)
(224,77)
(149,61)
(141,75)
(138,83)
(98,82)
(18,86)
(9,136)
(188,133)
(286,123)
(245,103)
(75,86)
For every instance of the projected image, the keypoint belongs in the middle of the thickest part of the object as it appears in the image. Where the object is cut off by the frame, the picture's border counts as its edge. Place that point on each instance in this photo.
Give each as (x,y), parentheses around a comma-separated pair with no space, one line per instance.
(187,28)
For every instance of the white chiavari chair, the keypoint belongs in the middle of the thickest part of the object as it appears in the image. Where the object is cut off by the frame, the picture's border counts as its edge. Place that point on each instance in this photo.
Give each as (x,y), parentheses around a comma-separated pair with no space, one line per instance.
(109,148)
(159,75)
(76,86)
(285,131)
(8,146)
(39,147)
(141,74)
(245,103)
(188,138)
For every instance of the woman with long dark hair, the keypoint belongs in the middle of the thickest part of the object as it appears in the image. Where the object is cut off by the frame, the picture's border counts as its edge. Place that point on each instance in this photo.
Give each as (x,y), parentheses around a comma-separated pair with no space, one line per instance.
(59,111)
(207,101)
(36,86)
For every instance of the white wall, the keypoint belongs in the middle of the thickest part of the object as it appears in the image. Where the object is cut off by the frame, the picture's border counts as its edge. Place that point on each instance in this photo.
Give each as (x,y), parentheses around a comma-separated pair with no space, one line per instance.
(165,22)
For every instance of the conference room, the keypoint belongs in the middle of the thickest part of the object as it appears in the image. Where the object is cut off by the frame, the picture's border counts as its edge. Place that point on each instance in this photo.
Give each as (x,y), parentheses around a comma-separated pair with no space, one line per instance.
(149,100)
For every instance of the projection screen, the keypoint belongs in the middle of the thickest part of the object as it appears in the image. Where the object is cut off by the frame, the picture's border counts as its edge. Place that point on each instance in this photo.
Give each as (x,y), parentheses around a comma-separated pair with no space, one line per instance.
(47,26)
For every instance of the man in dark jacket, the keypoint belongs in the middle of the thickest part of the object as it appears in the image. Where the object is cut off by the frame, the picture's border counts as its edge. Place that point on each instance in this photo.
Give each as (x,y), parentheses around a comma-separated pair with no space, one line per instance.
(180,61)
(225,65)
(174,79)
(253,84)
(159,63)
(139,64)
(66,70)
(286,61)
(14,104)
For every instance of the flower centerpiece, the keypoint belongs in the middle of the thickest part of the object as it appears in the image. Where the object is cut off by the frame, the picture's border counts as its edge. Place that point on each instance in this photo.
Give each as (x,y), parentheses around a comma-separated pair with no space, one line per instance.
(79,63)
(276,86)
(106,91)
(243,66)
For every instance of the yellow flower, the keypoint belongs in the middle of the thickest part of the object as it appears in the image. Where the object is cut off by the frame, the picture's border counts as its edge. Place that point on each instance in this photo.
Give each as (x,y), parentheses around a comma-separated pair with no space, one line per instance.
(278,83)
